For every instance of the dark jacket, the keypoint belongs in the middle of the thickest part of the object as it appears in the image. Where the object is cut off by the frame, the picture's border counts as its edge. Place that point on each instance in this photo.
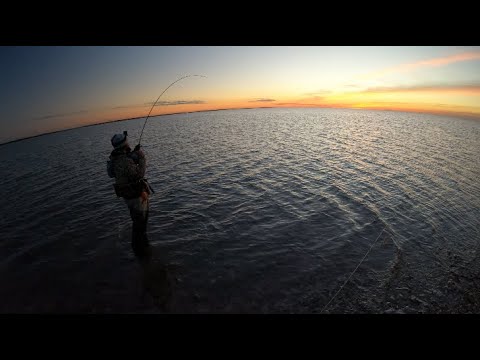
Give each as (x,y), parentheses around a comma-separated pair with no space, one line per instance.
(128,169)
(125,168)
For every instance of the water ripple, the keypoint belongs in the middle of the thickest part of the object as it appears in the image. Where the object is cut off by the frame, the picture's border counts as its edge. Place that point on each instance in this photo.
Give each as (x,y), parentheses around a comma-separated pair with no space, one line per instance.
(265,210)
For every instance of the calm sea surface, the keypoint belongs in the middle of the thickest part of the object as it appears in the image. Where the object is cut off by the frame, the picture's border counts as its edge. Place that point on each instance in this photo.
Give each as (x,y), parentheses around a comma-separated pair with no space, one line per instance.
(255,211)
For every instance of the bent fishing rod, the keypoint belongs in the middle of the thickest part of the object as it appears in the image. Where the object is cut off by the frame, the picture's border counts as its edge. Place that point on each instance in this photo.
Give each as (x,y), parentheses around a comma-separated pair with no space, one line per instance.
(155,103)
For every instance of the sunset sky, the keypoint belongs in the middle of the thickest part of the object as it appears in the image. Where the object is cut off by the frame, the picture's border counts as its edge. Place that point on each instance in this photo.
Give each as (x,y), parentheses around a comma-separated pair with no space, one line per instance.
(44,89)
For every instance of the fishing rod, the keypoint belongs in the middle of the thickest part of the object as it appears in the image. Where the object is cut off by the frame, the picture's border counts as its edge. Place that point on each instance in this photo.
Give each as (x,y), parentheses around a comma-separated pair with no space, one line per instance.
(155,103)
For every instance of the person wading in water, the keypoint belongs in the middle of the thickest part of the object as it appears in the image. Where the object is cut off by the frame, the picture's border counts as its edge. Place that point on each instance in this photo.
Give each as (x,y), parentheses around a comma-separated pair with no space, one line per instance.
(128,169)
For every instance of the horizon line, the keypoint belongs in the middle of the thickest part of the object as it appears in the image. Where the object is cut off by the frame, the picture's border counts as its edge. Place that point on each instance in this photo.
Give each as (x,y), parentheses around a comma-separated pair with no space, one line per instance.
(444,113)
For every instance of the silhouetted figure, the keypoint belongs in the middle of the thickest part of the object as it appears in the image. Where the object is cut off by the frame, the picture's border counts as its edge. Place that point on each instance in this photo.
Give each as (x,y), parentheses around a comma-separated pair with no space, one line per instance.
(128,168)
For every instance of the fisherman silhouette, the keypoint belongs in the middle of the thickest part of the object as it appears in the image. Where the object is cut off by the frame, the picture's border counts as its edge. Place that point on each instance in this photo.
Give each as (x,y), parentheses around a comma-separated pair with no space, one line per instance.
(128,169)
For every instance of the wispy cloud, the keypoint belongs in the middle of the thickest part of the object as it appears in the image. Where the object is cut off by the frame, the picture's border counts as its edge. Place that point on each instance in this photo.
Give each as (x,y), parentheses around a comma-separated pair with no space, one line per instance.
(59,115)
(130,106)
(161,103)
(262,100)
(472,55)
(472,88)
(178,102)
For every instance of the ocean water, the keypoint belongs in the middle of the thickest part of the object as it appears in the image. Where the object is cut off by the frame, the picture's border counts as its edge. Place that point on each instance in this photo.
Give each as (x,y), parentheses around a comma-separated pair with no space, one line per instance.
(255,211)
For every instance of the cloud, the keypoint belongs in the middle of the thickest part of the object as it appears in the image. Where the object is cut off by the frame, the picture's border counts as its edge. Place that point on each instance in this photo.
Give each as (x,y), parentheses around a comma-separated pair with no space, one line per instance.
(178,102)
(472,55)
(161,103)
(52,116)
(262,100)
(471,88)
(130,106)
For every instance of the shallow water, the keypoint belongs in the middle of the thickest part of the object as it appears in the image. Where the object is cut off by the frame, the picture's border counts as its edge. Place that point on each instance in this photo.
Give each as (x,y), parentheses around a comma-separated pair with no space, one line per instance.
(258,211)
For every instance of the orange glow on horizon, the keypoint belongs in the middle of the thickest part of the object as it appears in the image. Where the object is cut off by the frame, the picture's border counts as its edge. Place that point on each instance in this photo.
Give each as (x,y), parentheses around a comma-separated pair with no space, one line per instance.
(434,100)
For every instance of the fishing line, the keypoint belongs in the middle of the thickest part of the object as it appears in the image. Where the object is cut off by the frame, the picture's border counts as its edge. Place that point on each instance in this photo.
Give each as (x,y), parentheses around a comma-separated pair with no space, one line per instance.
(353,271)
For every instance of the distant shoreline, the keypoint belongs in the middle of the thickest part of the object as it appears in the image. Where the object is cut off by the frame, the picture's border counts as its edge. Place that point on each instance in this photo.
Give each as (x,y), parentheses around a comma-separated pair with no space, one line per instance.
(134,118)
(462,116)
